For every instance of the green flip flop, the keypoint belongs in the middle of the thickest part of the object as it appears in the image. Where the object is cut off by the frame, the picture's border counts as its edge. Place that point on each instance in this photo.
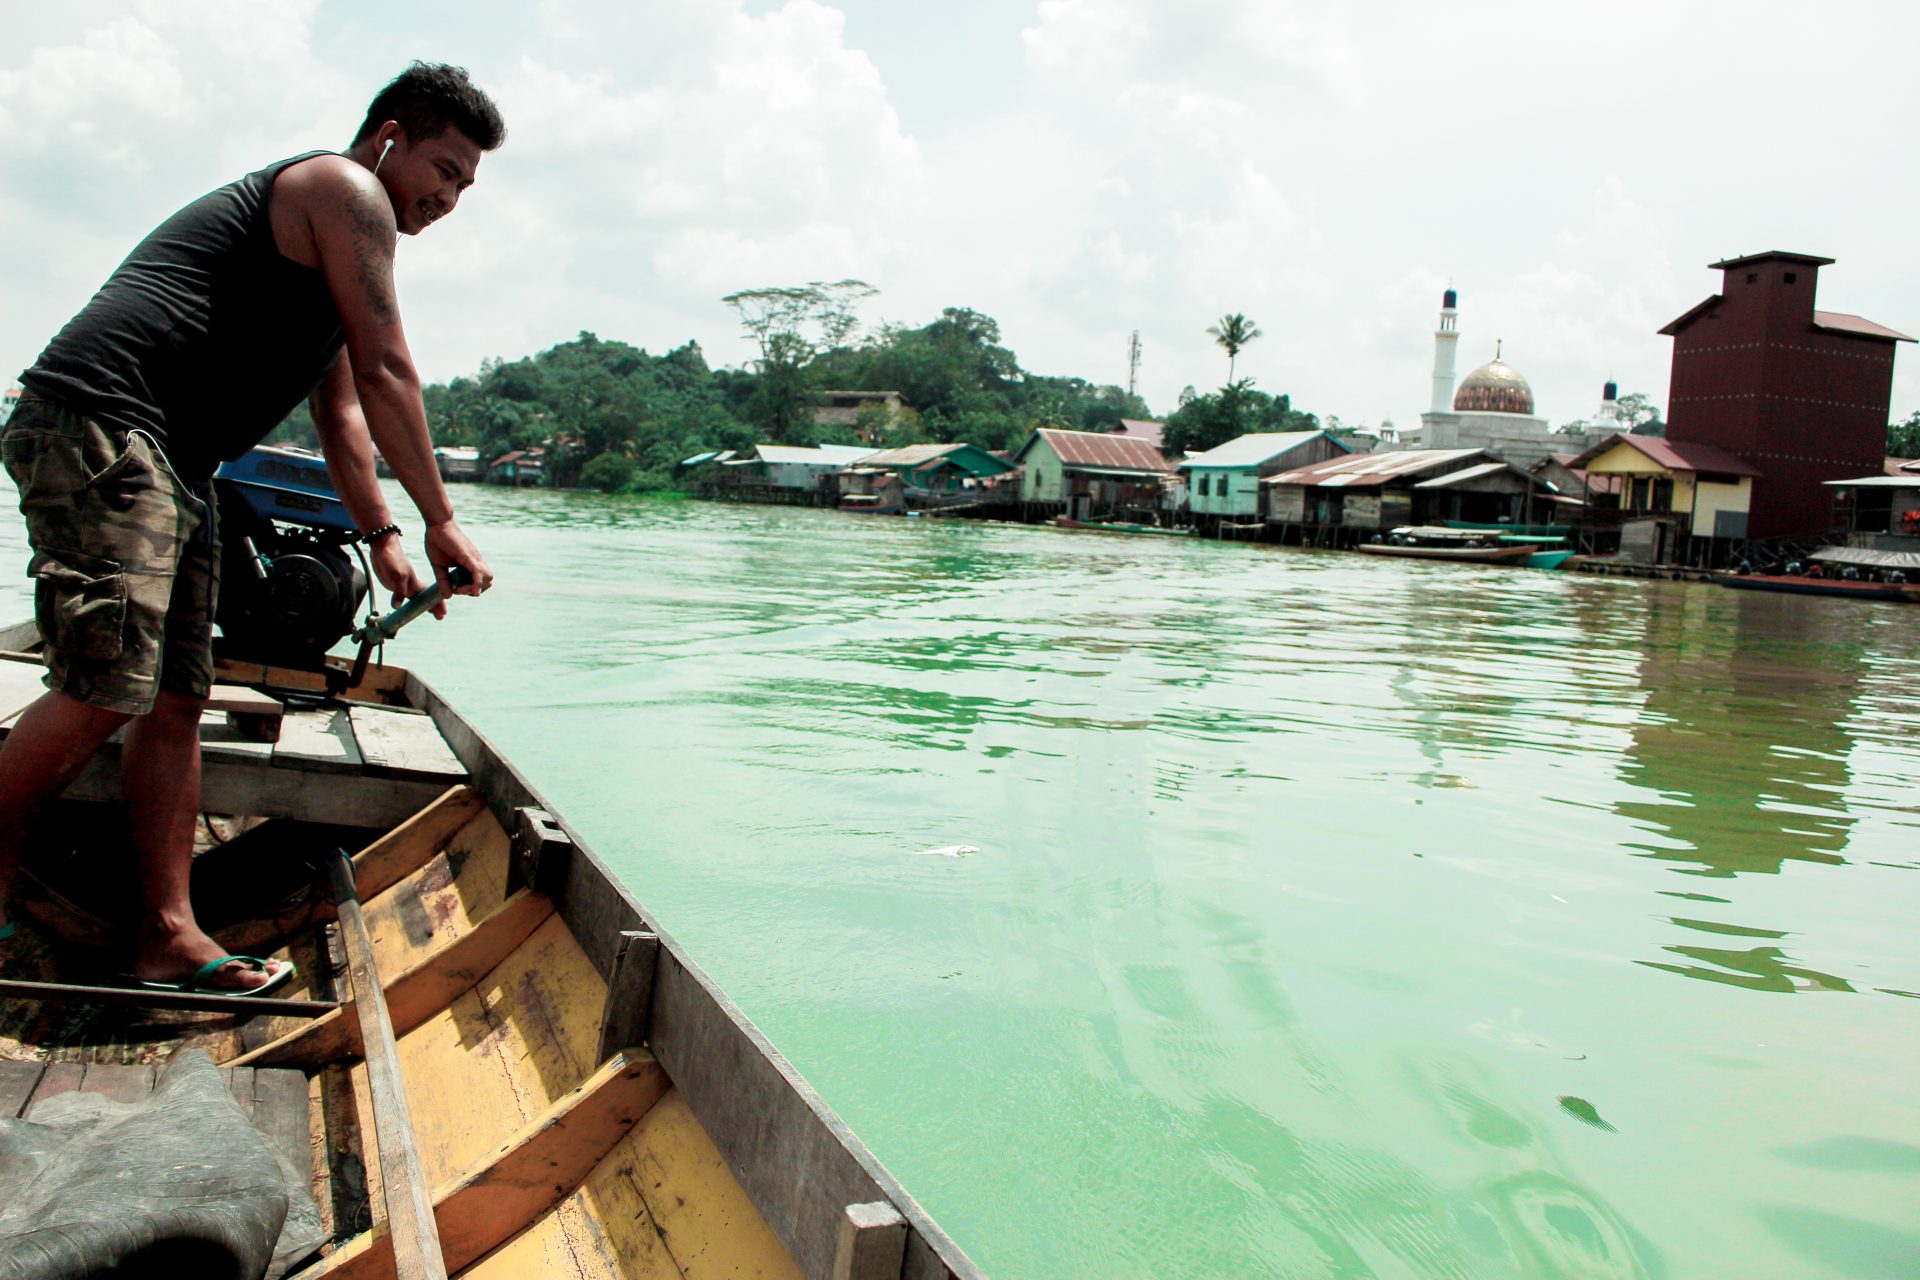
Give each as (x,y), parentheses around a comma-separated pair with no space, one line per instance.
(199,984)
(6,932)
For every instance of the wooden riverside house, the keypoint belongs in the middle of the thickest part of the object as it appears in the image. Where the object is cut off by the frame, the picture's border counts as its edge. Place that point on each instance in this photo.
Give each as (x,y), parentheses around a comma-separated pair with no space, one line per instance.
(787,473)
(1224,482)
(1883,511)
(1083,473)
(937,475)
(1347,500)
(1677,500)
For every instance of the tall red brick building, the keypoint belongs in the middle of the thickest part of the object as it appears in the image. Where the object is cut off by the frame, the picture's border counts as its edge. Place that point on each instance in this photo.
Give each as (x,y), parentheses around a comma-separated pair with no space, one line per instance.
(1803,395)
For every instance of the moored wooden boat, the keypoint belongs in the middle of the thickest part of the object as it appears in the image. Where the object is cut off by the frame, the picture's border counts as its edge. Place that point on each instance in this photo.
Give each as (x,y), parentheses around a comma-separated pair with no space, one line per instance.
(1802,585)
(493,1062)
(1115,526)
(1860,573)
(1432,542)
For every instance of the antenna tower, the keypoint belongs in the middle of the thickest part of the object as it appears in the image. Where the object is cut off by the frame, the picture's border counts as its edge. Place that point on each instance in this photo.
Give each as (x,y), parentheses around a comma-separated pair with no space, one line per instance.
(1133,362)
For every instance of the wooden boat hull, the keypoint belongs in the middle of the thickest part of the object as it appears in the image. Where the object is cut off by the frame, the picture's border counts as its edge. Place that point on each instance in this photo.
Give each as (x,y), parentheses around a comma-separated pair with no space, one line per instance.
(583,1099)
(1462,555)
(1793,584)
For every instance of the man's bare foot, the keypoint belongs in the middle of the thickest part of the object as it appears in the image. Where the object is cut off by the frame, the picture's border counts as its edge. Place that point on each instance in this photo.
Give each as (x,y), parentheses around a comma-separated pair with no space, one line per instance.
(177,957)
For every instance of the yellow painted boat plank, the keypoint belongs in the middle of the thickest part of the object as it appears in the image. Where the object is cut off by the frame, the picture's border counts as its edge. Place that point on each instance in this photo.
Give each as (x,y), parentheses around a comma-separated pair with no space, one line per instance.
(504,1052)
(441,901)
(661,1206)
(568,1242)
(667,1182)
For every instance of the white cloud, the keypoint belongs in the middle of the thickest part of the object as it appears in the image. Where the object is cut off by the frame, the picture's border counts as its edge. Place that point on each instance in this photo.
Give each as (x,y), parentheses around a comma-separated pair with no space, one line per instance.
(1324,169)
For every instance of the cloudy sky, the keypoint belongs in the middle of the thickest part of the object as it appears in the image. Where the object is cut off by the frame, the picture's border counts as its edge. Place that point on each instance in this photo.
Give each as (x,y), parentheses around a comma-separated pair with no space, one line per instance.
(1077,169)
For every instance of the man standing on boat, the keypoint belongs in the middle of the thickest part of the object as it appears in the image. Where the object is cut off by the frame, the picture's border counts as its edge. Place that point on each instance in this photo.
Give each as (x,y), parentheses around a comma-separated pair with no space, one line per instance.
(274,288)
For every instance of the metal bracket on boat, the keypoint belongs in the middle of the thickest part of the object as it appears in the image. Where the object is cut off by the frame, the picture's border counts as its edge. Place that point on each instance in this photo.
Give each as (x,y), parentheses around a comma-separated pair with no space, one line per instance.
(542,851)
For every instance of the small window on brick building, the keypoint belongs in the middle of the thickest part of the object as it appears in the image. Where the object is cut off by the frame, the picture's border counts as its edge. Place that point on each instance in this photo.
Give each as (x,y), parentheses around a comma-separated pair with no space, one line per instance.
(1752,277)
(1792,276)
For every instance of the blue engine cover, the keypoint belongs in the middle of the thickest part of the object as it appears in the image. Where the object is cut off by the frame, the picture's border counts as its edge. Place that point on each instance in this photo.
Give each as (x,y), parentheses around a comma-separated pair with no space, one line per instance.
(289,485)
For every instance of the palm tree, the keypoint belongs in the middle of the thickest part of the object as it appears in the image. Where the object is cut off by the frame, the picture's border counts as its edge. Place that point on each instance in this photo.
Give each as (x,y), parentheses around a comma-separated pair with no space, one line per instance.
(1233,332)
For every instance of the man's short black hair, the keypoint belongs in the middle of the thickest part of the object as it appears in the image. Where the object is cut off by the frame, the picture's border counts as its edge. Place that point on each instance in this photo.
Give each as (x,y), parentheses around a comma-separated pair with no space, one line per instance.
(428,98)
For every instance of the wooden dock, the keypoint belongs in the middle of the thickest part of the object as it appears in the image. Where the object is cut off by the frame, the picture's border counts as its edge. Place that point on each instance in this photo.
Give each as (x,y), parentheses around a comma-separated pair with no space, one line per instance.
(1608,567)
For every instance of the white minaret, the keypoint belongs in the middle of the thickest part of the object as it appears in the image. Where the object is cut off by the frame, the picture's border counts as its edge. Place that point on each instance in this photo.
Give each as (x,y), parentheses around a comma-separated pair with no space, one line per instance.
(1608,418)
(1445,339)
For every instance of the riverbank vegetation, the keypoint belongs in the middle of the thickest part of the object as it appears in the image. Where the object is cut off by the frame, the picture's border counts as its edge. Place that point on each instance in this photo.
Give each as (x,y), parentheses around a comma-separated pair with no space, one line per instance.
(614,416)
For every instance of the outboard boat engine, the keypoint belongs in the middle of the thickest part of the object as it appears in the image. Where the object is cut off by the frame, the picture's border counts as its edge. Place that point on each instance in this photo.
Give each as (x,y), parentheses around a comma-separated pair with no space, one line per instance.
(289,590)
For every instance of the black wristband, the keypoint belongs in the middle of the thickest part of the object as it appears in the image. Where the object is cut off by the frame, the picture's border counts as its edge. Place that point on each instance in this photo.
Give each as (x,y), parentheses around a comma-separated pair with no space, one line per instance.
(381,532)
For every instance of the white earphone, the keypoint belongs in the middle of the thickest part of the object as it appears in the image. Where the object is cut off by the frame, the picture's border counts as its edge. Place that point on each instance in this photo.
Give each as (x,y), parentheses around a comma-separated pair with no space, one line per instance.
(383,155)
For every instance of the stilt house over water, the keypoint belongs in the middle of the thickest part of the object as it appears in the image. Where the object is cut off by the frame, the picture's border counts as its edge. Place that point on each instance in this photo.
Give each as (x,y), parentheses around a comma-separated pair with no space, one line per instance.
(1350,499)
(1678,501)
(1084,473)
(940,470)
(1224,482)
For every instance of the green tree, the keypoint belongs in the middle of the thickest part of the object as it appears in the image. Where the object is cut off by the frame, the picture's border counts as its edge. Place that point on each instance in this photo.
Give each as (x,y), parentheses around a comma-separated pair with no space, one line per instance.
(297,429)
(1903,438)
(609,473)
(1641,415)
(794,326)
(1233,333)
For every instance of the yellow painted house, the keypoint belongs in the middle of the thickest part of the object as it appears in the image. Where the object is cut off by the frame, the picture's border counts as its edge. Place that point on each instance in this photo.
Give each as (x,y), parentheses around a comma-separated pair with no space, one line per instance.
(1706,491)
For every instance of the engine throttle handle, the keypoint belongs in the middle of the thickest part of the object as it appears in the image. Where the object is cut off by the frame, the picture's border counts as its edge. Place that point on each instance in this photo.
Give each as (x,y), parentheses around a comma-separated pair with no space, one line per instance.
(383,627)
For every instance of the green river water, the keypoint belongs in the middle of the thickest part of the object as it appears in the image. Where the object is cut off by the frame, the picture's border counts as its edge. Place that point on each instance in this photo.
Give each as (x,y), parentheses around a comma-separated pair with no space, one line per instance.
(1324,916)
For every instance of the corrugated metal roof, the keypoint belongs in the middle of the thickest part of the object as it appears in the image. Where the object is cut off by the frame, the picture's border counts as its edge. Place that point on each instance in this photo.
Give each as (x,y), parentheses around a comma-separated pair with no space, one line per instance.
(1363,470)
(1252,450)
(826,455)
(1841,322)
(1675,455)
(1870,556)
(1452,478)
(1154,433)
(909,455)
(1876,482)
(1089,449)
(1123,472)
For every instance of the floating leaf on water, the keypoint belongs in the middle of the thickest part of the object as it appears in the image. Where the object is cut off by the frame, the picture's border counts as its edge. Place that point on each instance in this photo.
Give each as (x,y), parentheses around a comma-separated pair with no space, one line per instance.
(1583,1111)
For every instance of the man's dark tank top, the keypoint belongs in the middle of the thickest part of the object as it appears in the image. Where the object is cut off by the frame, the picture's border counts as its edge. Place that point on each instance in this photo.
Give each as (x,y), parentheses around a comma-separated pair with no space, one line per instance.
(205,337)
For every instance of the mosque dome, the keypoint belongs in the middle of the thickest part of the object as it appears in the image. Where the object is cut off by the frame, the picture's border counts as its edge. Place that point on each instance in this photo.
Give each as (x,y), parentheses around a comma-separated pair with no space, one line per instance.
(1495,387)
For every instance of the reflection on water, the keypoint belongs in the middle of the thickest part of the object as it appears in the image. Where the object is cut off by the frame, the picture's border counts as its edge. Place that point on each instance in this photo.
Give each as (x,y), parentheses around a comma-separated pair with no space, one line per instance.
(1323,915)
(1745,739)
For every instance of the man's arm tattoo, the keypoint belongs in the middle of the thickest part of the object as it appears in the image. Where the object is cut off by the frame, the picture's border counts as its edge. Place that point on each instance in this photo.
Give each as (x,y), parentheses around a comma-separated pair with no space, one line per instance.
(373,253)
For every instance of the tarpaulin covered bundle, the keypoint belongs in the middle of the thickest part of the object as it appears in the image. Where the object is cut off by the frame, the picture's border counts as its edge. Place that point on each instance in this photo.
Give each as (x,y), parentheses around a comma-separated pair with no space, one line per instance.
(180,1180)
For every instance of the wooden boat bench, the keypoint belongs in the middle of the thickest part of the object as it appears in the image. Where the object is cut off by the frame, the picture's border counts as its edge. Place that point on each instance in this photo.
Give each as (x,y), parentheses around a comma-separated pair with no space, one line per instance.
(359,764)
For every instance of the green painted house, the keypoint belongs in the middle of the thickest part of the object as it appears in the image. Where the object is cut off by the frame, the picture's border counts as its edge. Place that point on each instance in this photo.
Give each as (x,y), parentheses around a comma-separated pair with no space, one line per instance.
(1224,482)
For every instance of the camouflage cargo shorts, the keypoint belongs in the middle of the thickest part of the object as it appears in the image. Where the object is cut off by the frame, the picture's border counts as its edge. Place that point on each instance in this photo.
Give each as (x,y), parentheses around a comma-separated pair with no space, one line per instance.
(125,565)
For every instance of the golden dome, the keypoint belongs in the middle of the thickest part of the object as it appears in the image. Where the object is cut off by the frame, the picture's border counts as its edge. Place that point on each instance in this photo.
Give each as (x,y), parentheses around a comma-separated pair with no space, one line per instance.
(1495,387)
